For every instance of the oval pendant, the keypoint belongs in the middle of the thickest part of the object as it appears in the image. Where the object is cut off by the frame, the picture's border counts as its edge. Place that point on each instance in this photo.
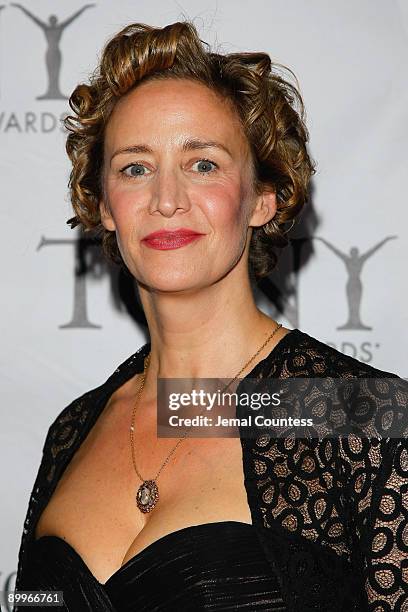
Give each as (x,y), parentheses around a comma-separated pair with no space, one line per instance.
(147,496)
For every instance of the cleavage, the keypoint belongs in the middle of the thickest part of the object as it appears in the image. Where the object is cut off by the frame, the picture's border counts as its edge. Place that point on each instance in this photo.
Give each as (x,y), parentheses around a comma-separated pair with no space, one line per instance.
(166,539)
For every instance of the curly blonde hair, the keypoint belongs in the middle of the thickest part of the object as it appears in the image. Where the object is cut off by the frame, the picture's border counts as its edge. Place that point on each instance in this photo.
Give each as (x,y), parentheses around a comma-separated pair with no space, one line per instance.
(270,110)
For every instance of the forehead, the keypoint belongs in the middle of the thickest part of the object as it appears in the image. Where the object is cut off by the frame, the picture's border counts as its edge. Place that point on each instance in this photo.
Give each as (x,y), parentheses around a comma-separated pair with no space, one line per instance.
(163,109)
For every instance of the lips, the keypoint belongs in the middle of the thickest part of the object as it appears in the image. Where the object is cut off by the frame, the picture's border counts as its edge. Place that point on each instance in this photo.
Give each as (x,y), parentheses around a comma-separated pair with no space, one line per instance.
(182,231)
(170,239)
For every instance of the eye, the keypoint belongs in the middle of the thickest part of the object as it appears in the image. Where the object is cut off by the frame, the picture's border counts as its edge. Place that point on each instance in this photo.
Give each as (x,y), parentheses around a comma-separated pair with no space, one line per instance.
(205,166)
(135,170)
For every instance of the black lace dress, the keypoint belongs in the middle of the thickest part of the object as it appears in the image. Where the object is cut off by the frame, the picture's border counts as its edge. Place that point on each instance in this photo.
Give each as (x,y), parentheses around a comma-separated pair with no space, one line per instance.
(329,515)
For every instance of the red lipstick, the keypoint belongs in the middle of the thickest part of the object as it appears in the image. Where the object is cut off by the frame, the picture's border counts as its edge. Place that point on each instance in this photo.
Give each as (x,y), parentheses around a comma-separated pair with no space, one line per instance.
(170,239)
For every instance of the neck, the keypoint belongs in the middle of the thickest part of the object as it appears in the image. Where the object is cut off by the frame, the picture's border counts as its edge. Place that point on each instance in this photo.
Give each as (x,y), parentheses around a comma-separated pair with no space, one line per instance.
(206,333)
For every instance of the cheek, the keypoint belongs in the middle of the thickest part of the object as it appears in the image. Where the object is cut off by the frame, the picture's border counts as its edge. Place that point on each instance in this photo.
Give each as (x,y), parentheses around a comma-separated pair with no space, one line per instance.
(123,205)
(225,208)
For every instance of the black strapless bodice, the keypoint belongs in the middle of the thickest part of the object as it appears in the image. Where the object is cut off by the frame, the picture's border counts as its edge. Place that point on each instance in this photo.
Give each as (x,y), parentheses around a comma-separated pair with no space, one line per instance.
(213,566)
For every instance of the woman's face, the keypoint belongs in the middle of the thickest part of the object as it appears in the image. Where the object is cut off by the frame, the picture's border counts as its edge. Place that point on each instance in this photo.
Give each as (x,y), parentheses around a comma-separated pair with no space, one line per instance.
(175,156)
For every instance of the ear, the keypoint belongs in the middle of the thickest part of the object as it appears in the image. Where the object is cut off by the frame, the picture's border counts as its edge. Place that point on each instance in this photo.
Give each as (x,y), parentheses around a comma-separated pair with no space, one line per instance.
(265,209)
(106,217)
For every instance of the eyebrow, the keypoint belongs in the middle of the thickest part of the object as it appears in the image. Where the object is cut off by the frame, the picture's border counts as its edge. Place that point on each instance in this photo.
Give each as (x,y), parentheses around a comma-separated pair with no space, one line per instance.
(190,144)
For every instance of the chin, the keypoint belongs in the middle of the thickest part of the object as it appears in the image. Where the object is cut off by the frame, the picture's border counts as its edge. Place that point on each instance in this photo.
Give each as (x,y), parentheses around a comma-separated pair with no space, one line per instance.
(166,281)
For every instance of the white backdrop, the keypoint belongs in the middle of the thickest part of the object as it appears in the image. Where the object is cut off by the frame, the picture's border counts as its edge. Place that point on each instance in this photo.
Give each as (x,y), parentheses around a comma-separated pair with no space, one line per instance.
(350,57)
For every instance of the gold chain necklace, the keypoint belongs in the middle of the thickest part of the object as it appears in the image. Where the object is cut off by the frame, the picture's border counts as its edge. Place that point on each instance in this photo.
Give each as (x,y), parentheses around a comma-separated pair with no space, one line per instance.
(147,494)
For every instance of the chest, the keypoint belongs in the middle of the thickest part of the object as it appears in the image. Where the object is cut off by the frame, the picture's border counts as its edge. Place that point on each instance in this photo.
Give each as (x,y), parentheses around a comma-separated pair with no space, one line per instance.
(93,506)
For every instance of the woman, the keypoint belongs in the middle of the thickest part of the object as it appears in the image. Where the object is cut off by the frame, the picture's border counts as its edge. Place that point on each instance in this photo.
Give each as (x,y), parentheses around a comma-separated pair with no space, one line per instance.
(190,165)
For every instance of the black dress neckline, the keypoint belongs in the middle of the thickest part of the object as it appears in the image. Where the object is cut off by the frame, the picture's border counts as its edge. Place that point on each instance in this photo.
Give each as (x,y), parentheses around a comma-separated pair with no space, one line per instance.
(219,565)
(163,540)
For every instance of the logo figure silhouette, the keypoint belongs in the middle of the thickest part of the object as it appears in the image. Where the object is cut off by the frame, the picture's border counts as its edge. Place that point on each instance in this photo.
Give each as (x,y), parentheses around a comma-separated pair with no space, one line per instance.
(354,289)
(53,31)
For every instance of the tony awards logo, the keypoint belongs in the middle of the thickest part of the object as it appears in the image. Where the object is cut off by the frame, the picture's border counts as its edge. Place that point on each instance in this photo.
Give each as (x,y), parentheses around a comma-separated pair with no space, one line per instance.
(354,262)
(49,119)
(53,58)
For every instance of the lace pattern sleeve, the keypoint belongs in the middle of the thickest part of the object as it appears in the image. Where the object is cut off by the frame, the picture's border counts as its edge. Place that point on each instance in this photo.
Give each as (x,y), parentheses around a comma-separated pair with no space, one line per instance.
(380,521)
(378,499)
(60,440)
(333,509)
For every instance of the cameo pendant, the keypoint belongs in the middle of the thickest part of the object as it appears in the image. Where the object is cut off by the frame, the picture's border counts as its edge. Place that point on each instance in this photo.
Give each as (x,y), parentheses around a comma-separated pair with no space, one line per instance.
(147,496)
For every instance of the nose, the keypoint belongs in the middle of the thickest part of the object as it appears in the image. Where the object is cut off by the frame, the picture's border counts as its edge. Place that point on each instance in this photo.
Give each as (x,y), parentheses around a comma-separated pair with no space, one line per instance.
(168,193)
